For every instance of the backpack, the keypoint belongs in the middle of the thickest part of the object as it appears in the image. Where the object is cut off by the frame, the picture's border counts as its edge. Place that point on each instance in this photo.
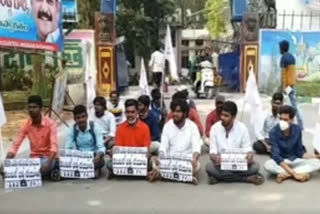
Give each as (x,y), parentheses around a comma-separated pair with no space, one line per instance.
(91,130)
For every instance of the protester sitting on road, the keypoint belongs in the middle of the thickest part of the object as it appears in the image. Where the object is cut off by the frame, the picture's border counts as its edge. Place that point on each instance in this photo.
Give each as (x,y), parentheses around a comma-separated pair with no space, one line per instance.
(185,93)
(192,115)
(42,134)
(86,136)
(132,133)
(215,115)
(180,136)
(230,134)
(263,146)
(105,120)
(289,159)
(116,107)
(148,118)
(157,109)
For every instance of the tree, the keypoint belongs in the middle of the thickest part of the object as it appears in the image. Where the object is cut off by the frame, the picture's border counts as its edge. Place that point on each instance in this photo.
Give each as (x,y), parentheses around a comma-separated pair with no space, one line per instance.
(216,17)
(141,22)
(86,10)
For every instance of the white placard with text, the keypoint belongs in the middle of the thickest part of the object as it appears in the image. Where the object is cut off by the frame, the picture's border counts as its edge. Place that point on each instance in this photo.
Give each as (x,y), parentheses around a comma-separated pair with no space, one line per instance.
(176,167)
(130,161)
(76,164)
(22,173)
(234,160)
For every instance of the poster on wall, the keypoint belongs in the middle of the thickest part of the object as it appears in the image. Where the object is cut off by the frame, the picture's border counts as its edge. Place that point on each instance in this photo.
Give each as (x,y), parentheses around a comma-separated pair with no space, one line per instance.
(26,24)
(70,10)
(22,173)
(106,80)
(105,28)
(58,94)
(305,46)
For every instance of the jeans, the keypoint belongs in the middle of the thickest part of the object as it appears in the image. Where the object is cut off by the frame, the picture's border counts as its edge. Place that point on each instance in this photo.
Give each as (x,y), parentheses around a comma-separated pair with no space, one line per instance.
(54,165)
(293,100)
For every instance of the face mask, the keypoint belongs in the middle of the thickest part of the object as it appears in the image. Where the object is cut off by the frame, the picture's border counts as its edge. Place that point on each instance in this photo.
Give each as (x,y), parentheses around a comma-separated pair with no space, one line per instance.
(131,122)
(284,125)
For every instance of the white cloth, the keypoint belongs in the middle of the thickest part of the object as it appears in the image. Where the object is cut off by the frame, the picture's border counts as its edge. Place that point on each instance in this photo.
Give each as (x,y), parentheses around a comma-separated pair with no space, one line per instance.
(54,36)
(157,62)
(107,123)
(238,137)
(269,123)
(118,112)
(298,165)
(180,141)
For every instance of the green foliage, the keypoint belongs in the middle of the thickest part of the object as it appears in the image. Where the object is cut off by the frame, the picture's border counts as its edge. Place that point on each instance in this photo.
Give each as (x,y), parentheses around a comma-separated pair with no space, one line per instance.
(216,17)
(140,21)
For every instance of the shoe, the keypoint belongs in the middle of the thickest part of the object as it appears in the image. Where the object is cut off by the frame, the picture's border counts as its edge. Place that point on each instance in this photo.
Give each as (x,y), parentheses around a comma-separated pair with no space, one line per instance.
(55,175)
(195,181)
(212,180)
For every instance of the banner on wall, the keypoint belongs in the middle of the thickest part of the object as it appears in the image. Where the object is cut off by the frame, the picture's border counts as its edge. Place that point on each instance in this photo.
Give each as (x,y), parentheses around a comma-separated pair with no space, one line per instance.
(25,24)
(305,46)
(106,70)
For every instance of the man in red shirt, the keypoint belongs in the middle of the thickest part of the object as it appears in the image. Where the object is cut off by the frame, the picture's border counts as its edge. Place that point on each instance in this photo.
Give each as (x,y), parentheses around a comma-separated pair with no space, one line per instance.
(214,116)
(132,133)
(42,134)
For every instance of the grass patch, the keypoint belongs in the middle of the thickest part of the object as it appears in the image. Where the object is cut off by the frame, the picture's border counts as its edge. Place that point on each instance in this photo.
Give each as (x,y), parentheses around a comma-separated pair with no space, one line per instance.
(308,89)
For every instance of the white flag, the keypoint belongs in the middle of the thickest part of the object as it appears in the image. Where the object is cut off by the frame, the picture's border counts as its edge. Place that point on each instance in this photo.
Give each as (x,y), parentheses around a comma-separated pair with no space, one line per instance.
(3,118)
(170,56)
(143,82)
(252,98)
(316,137)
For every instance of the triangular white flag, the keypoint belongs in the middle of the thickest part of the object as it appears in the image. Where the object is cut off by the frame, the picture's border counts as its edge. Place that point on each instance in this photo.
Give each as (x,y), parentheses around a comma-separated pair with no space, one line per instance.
(3,118)
(170,56)
(143,82)
(252,98)
(316,137)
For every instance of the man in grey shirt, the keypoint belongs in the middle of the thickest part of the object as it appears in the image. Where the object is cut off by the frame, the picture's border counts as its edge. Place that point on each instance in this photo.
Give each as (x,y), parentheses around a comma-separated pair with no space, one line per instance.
(263,146)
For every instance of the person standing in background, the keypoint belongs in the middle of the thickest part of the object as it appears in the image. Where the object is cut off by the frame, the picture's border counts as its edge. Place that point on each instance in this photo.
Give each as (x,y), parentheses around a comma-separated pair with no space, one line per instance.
(288,77)
(157,66)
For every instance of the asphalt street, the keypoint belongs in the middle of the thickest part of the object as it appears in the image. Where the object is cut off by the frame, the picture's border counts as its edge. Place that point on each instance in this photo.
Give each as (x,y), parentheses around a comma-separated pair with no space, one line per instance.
(139,196)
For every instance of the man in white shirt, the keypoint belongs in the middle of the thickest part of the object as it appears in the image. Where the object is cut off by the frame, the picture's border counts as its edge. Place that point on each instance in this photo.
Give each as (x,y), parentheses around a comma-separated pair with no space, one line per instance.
(157,66)
(230,134)
(263,145)
(180,136)
(116,107)
(105,120)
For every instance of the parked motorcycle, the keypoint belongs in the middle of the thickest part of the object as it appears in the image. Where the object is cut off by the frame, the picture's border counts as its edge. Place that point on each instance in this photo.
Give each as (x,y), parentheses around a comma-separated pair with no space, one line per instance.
(204,84)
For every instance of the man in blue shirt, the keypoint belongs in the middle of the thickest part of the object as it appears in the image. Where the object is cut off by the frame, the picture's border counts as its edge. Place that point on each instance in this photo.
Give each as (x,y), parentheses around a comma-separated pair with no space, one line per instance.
(148,118)
(86,135)
(289,159)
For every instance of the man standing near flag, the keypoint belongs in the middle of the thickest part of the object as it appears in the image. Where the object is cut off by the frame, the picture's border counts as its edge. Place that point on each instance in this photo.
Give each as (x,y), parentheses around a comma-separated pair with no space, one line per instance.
(157,65)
